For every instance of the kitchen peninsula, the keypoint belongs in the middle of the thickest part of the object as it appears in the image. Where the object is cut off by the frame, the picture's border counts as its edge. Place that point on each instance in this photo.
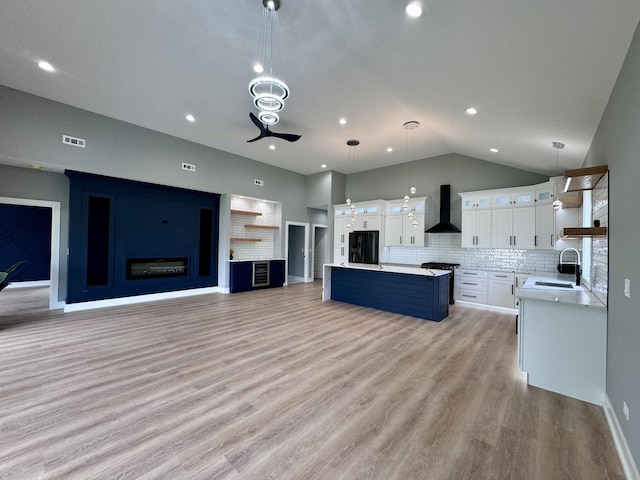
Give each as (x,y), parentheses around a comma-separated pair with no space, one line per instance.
(419,292)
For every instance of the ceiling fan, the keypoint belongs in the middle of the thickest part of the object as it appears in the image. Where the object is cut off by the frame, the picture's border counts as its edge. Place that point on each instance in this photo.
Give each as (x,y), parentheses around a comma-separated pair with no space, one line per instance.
(265,132)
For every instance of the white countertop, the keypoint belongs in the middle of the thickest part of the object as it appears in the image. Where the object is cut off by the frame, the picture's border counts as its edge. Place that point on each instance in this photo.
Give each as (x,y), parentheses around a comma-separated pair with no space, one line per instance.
(393,269)
(578,295)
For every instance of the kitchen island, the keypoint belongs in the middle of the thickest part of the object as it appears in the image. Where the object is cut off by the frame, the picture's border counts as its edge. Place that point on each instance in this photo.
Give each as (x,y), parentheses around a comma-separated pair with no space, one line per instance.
(418,292)
(562,338)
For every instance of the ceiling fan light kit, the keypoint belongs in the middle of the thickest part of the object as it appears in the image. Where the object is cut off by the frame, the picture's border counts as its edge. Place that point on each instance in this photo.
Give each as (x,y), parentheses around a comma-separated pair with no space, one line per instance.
(268,91)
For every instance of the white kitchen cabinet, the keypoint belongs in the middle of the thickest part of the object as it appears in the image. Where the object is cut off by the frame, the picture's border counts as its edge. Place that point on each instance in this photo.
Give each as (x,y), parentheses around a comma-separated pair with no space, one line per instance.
(501,289)
(519,279)
(563,348)
(367,222)
(545,227)
(474,201)
(399,228)
(476,229)
(512,198)
(470,285)
(545,194)
(513,227)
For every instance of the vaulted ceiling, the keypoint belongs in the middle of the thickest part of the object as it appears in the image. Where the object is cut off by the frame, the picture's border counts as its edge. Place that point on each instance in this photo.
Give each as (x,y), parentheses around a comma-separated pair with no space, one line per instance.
(537,72)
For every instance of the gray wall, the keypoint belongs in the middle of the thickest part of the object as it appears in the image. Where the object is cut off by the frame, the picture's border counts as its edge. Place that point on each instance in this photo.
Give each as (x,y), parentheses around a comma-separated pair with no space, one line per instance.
(617,143)
(461,172)
(31,130)
(38,185)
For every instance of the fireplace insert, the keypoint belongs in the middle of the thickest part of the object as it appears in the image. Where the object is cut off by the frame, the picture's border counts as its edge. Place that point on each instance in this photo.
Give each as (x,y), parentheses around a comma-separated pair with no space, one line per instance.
(144,268)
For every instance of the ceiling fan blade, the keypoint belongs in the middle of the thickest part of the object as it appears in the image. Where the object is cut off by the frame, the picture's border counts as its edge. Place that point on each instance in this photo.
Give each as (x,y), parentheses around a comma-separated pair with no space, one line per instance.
(257,138)
(289,137)
(258,123)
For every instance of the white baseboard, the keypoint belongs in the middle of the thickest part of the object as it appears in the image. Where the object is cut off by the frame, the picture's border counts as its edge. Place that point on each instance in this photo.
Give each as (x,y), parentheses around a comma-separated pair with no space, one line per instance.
(626,459)
(113,302)
(484,306)
(37,283)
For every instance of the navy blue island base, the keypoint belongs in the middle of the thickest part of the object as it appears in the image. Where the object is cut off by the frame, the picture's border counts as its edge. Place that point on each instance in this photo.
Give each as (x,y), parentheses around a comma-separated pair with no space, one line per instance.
(421,296)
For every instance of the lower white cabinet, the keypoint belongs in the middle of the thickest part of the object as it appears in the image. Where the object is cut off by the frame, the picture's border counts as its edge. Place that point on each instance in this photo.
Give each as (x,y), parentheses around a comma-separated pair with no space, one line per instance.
(502,289)
(470,285)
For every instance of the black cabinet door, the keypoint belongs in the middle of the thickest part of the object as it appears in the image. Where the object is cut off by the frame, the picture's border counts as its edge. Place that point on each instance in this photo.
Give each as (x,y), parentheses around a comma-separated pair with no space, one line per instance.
(276,274)
(240,274)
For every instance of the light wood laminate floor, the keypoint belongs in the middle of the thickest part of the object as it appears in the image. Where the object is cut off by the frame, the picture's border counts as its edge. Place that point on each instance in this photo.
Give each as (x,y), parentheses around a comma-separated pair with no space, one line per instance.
(277,384)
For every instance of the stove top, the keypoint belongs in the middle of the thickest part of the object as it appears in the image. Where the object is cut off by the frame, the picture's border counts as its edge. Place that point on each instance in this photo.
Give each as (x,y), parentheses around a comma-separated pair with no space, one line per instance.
(440,265)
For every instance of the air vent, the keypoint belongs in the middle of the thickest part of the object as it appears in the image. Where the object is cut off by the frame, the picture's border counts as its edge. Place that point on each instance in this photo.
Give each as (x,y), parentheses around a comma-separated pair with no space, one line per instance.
(188,166)
(76,142)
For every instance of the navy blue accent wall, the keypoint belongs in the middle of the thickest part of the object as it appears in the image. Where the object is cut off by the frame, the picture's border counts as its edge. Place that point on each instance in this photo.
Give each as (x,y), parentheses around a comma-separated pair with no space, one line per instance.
(420,296)
(25,234)
(112,220)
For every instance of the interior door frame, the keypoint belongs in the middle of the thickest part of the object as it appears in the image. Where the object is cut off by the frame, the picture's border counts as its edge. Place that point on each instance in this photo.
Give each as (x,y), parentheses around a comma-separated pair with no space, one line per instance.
(306,250)
(312,255)
(54,267)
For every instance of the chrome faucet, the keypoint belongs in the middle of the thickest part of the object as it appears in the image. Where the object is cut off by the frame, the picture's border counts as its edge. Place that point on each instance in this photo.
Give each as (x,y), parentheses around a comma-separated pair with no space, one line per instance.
(578,269)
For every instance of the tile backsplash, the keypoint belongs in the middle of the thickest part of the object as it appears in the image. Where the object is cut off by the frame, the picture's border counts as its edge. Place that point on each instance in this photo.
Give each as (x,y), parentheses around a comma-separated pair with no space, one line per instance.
(445,247)
(600,245)
(269,239)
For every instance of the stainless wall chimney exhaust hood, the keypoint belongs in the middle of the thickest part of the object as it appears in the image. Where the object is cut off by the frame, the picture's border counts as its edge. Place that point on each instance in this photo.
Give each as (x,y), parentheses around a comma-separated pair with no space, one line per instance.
(445,225)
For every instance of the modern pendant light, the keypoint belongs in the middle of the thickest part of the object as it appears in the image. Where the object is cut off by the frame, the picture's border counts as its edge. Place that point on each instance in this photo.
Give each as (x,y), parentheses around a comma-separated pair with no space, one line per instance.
(269,92)
(412,138)
(351,182)
(557,204)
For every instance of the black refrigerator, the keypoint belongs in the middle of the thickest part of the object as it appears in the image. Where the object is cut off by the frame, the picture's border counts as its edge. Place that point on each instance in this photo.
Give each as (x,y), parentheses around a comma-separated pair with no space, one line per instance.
(363,247)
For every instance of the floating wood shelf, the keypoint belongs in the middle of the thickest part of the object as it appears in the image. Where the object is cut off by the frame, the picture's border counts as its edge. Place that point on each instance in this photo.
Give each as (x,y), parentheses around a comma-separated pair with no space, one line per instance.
(246,212)
(582,232)
(584,178)
(570,202)
(245,239)
(264,227)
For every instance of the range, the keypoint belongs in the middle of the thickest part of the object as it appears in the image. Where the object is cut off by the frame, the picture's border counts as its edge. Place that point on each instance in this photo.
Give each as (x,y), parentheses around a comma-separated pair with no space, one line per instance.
(444,266)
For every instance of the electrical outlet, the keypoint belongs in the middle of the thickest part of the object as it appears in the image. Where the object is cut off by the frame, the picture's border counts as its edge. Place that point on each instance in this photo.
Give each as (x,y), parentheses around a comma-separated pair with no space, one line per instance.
(627,288)
(75,141)
(625,410)
(259,183)
(188,166)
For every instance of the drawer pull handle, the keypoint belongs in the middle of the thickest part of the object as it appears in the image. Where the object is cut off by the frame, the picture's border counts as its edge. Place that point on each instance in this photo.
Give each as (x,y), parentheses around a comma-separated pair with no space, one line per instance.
(469,283)
(470,296)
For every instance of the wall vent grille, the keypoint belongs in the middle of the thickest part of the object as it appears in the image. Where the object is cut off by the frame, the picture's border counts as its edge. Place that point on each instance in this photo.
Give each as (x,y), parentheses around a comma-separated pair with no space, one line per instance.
(75,141)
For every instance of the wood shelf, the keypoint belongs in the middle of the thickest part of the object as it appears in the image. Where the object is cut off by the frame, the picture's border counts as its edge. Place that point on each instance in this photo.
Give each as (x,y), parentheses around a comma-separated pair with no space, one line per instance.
(236,239)
(570,202)
(582,232)
(584,178)
(246,212)
(264,227)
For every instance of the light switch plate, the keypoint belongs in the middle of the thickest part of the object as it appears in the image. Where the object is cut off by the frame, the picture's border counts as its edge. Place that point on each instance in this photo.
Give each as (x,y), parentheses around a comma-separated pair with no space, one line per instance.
(627,288)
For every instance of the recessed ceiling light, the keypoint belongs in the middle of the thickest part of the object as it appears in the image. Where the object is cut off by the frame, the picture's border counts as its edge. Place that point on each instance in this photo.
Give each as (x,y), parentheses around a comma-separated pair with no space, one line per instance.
(389,149)
(36,167)
(190,117)
(494,150)
(258,68)
(342,121)
(471,111)
(272,147)
(46,66)
(324,165)
(414,9)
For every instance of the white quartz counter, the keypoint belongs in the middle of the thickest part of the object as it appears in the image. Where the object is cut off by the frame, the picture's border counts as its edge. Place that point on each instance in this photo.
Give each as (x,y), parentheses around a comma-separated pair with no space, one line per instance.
(577,295)
(235,260)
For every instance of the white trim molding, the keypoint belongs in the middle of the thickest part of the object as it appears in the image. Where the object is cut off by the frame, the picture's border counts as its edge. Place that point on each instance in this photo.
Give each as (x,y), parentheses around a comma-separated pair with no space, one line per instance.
(626,459)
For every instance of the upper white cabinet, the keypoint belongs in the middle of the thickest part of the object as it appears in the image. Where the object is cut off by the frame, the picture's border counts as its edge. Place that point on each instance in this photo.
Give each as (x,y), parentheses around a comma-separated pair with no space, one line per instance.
(545,194)
(475,200)
(402,230)
(512,199)
(545,220)
(476,228)
(513,228)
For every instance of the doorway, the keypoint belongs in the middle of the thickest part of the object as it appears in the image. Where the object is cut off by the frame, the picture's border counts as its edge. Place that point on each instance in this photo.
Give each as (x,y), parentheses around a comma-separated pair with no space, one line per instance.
(319,249)
(54,268)
(297,249)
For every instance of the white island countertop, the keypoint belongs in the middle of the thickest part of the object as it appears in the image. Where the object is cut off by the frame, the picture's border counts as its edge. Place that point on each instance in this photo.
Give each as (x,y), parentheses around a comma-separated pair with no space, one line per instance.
(577,295)
(426,272)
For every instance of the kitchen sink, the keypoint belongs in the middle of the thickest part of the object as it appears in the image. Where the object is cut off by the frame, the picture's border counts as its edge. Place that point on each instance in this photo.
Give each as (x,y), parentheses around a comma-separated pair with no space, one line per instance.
(554,284)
